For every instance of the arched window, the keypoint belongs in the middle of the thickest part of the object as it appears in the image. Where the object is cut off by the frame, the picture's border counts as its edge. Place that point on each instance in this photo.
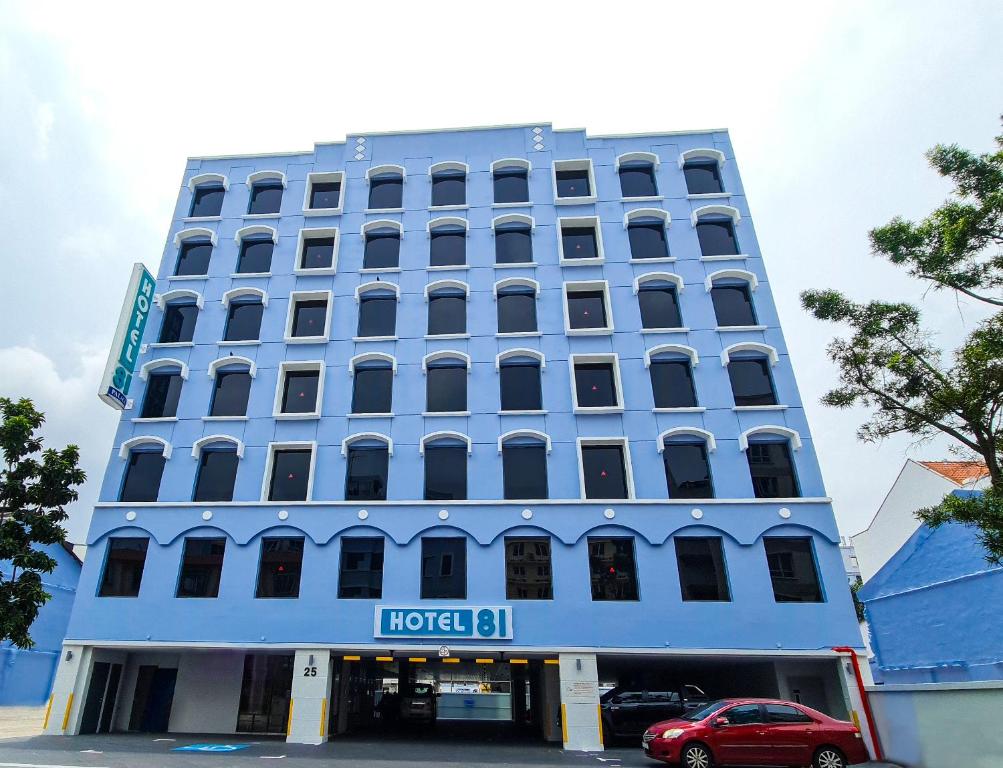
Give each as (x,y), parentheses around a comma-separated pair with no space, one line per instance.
(685,458)
(445,465)
(447,307)
(446,382)
(231,386)
(702,170)
(266,193)
(670,367)
(749,366)
(218,456)
(449,184)
(519,380)
(244,310)
(383,245)
(510,177)
(377,310)
(386,187)
(731,292)
(367,469)
(145,456)
(194,250)
(516,299)
(372,386)
(255,244)
(181,310)
(771,465)
(447,237)
(646,234)
(524,463)
(207,190)
(715,226)
(513,235)
(658,299)
(637,174)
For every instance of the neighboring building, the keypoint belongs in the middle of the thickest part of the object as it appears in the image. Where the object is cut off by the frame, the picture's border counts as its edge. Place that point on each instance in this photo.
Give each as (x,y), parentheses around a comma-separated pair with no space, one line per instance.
(919,484)
(517,392)
(26,675)
(850,563)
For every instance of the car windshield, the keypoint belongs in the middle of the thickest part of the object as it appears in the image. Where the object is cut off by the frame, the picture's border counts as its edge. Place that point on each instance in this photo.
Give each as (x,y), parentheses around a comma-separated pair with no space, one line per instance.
(700,714)
(421,690)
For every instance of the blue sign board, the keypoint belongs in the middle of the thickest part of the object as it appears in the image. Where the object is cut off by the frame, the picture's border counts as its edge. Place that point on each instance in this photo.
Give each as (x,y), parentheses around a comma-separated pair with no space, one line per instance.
(454,622)
(125,345)
(210,748)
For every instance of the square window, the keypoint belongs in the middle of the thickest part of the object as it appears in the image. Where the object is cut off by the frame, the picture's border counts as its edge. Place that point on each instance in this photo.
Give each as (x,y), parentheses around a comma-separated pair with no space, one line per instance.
(520,387)
(528,574)
(266,197)
(443,568)
(446,388)
(638,180)
(517,311)
(299,391)
(751,382)
(230,393)
(318,253)
(687,471)
(382,250)
(595,385)
(309,318)
(445,473)
(659,307)
(290,474)
(123,567)
(377,316)
(702,574)
(366,475)
(447,248)
(449,188)
(217,474)
(733,305)
(604,471)
(772,471)
(647,240)
(386,192)
(193,258)
(513,244)
(447,313)
(361,573)
(163,390)
(179,323)
(207,200)
(255,256)
(280,568)
(325,194)
(672,384)
(372,390)
(702,178)
(612,569)
(511,185)
(201,568)
(587,309)
(717,238)
(142,476)
(792,570)
(573,182)
(525,471)
(243,321)
(579,242)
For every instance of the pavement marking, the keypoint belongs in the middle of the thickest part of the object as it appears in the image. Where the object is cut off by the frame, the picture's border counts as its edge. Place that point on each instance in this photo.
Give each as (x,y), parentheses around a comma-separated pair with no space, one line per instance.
(271,757)
(90,752)
(38,765)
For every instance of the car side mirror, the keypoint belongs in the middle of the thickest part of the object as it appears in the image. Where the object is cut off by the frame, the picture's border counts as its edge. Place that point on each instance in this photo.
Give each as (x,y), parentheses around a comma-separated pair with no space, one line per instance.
(720,722)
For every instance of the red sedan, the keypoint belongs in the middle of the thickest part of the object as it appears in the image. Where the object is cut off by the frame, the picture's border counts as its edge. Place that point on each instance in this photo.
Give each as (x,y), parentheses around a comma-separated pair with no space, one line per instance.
(755,732)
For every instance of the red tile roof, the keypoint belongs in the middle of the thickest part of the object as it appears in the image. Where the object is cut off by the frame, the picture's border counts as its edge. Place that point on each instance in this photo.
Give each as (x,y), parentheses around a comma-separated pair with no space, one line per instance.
(959,472)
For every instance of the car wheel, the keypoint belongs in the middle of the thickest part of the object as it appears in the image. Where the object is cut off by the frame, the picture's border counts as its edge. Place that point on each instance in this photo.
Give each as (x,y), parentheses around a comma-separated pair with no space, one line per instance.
(829,757)
(695,756)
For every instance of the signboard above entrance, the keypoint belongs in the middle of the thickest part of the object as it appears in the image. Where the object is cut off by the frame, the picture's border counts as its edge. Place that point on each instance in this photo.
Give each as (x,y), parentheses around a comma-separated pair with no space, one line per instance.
(128,335)
(470,622)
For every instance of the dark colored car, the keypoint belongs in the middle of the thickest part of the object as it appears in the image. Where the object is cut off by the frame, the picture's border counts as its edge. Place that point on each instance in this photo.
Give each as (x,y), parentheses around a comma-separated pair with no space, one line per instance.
(419,703)
(627,712)
(755,732)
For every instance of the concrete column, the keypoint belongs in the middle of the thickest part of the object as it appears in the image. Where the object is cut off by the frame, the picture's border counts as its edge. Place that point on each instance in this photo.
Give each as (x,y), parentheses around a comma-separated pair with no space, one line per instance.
(66,703)
(580,722)
(311,695)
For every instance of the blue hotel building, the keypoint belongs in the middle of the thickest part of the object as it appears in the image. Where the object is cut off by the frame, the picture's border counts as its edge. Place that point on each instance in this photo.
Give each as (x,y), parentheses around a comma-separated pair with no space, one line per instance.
(510,403)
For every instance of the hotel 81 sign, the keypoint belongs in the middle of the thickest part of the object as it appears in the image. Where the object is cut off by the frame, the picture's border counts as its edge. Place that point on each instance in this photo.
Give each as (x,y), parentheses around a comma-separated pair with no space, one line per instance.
(125,344)
(455,622)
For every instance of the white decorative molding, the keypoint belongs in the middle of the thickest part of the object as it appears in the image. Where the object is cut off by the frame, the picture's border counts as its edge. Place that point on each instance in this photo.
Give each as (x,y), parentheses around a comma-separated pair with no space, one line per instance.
(576,222)
(721,210)
(317,233)
(578,286)
(646,213)
(628,468)
(447,166)
(290,445)
(705,153)
(297,296)
(366,357)
(163,362)
(583,164)
(445,354)
(235,293)
(266,176)
(220,362)
(543,437)
(737,274)
(193,233)
(386,169)
(324,177)
(664,349)
(749,346)
(703,434)
(128,445)
(521,352)
(163,299)
(513,218)
(445,435)
(256,229)
(369,226)
(610,358)
(367,436)
(442,222)
(377,285)
(208,178)
(770,429)
(637,157)
(512,162)
(652,277)
(514,282)
(440,285)
(287,366)
(199,444)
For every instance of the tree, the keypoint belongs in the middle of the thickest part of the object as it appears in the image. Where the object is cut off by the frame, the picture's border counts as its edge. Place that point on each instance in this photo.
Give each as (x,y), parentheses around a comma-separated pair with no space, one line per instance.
(33,492)
(892,364)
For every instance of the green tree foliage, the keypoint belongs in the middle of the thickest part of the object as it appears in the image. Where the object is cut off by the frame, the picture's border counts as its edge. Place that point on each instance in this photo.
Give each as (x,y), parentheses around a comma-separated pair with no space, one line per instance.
(35,486)
(892,365)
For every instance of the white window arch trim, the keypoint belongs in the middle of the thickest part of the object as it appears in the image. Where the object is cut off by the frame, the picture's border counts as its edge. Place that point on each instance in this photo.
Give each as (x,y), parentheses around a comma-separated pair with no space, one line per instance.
(369,226)
(647,213)
(703,153)
(444,354)
(163,362)
(135,442)
(202,442)
(638,157)
(770,429)
(256,229)
(220,362)
(517,282)
(208,178)
(651,277)
(442,222)
(192,233)
(716,210)
(447,166)
(702,434)
(511,162)
(445,434)
(666,349)
(736,274)
(163,299)
(387,168)
(749,346)
(536,354)
(534,434)
(513,218)
(441,285)
(367,357)
(376,285)
(266,176)
(358,436)
(236,293)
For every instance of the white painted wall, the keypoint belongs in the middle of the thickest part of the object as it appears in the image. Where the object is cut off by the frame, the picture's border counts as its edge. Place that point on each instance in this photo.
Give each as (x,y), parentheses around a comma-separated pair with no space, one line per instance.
(207,694)
(580,701)
(123,712)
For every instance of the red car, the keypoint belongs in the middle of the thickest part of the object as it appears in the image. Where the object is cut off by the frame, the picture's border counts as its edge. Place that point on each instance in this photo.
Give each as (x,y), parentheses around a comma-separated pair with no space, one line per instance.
(755,732)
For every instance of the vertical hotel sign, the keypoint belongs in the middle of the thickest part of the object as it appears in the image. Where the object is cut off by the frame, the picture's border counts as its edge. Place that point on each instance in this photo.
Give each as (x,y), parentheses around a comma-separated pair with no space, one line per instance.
(125,346)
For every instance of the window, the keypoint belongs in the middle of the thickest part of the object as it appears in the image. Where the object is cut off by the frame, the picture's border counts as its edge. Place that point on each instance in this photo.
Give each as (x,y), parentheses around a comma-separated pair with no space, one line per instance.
(588,307)
(687,470)
(446,387)
(163,390)
(179,323)
(717,237)
(672,384)
(372,390)
(528,569)
(449,188)
(612,569)
(703,177)
(361,572)
(201,568)
(280,567)
(142,476)
(366,476)
(266,197)
(517,310)
(207,200)
(447,312)
(792,570)
(443,568)
(447,247)
(230,393)
(733,305)
(751,382)
(772,471)
(520,386)
(299,389)
(514,243)
(659,306)
(317,249)
(290,478)
(123,567)
(604,471)
(193,257)
(382,249)
(323,192)
(525,471)
(511,184)
(309,316)
(647,239)
(386,190)
(445,473)
(743,714)
(573,181)
(243,320)
(637,179)
(580,241)
(596,382)
(217,474)
(255,255)
(377,315)
(783,713)
(701,569)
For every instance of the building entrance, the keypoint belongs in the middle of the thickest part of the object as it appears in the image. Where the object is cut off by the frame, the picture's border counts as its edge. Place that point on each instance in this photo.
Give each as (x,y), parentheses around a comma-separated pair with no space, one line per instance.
(264,694)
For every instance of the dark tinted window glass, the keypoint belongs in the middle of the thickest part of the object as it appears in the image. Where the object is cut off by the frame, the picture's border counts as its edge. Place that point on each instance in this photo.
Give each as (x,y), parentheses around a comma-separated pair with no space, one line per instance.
(573,183)
(280,568)
(325,194)
(193,258)
(207,201)
(230,394)
(702,178)
(179,323)
(781,713)
(445,472)
(290,475)
(447,313)
(525,470)
(447,248)
(443,568)
(513,245)
(637,180)
(361,574)
(378,316)
(717,238)
(659,308)
(201,568)
(792,570)
(299,391)
(386,192)
(255,256)
(382,250)
(580,242)
(310,318)
(751,382)
(672,384)
(744,714)
(612,569)
(604,471)
(366,477)
(595,385)
(123,567)
(446,388)
(243,322)
(520,387)
(266,198)
(516,312)
(511,185)
(687,471)
(701,569)
(587,309)
(216,476)
(142,476)
(733,305)
(449,188)
(647,241)
(373,390)
(163,390)
(772,471)
(318,253)
(527,569)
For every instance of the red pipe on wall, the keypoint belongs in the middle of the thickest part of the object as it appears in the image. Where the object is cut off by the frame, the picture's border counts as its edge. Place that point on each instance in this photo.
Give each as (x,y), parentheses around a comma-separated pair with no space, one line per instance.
(875,740)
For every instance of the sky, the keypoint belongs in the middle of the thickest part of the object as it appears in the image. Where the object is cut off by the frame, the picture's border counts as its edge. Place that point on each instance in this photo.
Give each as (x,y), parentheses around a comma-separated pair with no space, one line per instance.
(830,108)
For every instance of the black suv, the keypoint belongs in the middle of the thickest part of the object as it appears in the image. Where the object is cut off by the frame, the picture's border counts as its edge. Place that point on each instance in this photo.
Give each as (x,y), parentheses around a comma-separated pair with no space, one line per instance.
(630,712)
